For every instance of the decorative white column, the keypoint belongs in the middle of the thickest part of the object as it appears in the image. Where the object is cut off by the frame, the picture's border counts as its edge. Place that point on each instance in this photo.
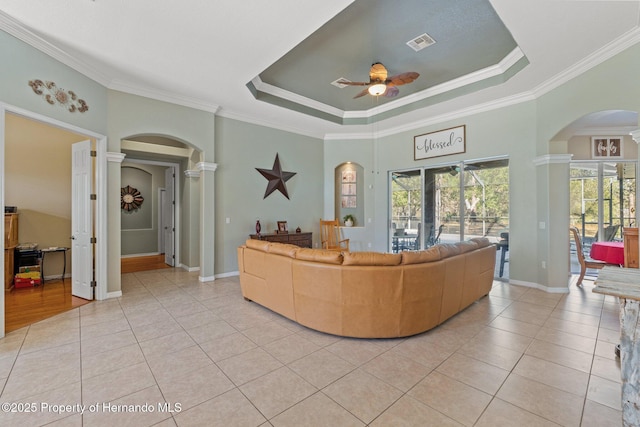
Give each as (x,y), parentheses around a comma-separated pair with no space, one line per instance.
(114,246)
(553,221)
(207,221)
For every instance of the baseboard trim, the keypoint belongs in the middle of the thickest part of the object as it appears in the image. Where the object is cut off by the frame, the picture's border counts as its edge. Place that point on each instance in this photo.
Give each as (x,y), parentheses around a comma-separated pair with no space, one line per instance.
(207,279)
(140,255)
(230,274)
(116,294)
(547,289)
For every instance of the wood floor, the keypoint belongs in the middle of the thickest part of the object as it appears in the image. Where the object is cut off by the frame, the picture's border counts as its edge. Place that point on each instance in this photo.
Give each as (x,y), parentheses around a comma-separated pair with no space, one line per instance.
(143,263)
(25,306)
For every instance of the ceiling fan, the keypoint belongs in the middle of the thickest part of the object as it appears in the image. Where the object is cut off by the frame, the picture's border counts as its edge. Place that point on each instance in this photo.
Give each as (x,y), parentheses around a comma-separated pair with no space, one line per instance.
(380,84)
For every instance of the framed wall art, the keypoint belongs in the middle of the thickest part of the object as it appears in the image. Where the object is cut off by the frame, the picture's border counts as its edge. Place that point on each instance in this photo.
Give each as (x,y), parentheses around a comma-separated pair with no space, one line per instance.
(441,143)
(282,227)
(606,147)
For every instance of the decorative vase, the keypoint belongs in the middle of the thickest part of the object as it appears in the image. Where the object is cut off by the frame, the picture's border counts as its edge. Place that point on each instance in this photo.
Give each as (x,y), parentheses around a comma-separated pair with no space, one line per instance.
(348,223)
(258,227)
(298,230)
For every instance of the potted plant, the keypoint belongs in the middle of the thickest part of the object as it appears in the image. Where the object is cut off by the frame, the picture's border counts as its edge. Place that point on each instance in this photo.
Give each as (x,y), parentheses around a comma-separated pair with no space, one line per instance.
(349,220)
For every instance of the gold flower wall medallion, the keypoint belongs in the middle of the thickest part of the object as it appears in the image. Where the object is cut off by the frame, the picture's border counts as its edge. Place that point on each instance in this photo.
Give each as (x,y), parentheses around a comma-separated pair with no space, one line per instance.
(130,199)
(53,94)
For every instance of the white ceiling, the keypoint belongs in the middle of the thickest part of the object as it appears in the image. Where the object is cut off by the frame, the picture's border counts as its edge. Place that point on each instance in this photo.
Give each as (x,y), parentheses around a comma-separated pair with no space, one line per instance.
(202,53)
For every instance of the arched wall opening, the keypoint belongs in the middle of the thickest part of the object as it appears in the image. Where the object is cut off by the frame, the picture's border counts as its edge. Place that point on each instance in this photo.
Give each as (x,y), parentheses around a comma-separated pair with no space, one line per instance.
(601,194)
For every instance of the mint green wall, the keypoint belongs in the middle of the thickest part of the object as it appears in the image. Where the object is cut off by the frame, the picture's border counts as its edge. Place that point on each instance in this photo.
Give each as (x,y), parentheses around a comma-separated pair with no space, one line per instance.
(22,63)
(240,149)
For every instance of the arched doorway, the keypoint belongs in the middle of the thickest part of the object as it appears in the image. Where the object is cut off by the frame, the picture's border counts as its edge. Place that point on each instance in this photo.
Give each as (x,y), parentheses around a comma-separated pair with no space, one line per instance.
(158,163)
(602,179)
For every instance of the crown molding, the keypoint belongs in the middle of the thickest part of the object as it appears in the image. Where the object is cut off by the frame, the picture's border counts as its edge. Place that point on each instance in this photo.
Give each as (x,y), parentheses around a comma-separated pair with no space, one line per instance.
(228,114)
(606,52)
(159,95)
(19,31)
(454,115)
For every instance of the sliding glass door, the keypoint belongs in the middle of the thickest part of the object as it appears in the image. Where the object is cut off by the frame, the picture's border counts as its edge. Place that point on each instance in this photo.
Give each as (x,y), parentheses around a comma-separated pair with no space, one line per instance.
(468,200)
(602,202)
(449,203)
(405,231)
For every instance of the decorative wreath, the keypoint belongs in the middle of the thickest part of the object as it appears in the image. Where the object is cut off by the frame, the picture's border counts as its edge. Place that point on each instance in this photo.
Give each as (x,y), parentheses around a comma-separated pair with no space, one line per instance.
(130,198)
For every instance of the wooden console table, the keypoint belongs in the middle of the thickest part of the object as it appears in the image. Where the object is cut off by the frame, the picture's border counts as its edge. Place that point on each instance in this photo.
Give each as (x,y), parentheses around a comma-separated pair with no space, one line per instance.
(624,283)
(303,240)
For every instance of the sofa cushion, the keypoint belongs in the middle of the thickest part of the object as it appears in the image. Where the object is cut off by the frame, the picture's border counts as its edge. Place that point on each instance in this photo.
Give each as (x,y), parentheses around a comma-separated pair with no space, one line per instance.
(261,245)
(371,258)
(418,257)
(448,250)
(481,241)
(467,246)
(319,255)
(284,249)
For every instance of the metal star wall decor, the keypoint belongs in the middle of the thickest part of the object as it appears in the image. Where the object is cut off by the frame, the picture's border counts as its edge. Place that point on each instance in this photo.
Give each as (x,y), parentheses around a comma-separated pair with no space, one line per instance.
(277,178)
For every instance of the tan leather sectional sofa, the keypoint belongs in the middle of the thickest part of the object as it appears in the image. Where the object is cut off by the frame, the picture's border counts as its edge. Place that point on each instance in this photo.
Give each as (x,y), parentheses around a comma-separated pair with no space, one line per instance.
(367,294)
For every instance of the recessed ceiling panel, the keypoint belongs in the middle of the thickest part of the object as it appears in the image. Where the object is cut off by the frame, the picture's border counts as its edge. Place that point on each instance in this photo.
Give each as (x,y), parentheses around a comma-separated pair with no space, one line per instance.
(469,37)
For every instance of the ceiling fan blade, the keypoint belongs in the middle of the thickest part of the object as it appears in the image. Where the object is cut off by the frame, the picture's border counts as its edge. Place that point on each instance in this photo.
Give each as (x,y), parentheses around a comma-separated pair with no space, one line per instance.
(363,93)
(391,91)
(403,78)
(378,73)
(348,83)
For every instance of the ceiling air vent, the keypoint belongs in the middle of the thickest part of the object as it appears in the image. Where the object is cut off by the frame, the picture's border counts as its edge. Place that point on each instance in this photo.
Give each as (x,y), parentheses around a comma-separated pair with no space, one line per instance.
(336,84)
(420,42)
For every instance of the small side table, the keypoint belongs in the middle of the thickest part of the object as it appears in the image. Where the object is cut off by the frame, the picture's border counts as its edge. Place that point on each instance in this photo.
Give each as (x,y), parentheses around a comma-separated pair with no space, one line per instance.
(624,283)
(64,262)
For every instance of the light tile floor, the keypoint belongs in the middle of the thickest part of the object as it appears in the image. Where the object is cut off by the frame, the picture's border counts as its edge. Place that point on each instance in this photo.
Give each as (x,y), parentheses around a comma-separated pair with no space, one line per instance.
(517,357)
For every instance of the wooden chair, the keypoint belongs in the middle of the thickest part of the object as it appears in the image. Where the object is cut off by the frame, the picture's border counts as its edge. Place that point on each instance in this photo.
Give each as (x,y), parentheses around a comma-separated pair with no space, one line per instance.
(330,236)
(584,262)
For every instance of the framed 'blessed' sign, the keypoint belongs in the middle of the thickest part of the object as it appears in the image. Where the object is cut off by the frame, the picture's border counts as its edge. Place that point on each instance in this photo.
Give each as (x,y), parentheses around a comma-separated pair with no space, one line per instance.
(440,143)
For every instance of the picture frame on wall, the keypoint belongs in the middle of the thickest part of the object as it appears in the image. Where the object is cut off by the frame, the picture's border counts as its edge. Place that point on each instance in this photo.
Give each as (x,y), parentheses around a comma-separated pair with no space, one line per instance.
(348,176)
(440,143)
(282,227)
(606,147)
(349,202)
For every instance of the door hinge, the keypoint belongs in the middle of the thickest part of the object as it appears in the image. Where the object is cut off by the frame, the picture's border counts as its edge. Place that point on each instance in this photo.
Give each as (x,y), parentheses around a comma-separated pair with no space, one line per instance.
(93,240)
(173,256)
(94,197)
(94,153)
(93,283)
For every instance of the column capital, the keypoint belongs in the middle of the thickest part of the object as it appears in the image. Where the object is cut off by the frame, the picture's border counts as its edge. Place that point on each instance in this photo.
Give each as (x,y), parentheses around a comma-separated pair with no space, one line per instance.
(635,134)
(548,159)
(206,166)
(115,157)
(192,173)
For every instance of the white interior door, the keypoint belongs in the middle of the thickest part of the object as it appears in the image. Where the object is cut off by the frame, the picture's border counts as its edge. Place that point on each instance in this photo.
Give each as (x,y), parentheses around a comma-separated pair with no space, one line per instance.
(168,217)
(81,221)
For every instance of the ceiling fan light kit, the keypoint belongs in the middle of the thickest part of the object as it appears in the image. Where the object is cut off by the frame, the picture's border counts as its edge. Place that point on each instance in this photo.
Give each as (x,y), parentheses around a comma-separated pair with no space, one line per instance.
(379,83)
(377,89)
